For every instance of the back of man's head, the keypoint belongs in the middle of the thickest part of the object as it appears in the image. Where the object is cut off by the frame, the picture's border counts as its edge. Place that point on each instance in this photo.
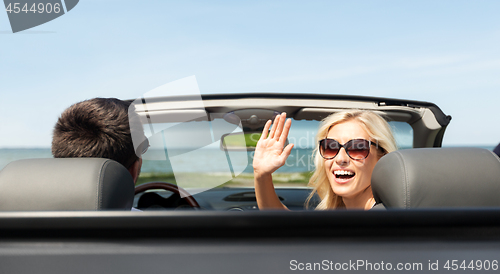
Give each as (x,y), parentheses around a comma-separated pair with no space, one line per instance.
(96,128)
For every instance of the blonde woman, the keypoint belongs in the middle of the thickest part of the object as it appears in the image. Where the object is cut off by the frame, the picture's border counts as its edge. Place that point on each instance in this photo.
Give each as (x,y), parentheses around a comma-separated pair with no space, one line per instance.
(349,144)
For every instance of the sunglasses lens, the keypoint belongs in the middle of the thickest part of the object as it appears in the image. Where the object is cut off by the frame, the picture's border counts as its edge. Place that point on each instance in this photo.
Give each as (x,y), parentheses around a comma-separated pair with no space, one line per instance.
(358,149)
(329,148)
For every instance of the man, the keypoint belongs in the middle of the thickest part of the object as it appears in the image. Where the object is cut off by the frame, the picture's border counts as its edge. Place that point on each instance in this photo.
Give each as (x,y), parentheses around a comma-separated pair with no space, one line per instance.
(100,128)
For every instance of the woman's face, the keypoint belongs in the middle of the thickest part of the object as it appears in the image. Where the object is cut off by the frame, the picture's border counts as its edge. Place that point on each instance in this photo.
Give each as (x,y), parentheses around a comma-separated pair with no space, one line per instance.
(349,177)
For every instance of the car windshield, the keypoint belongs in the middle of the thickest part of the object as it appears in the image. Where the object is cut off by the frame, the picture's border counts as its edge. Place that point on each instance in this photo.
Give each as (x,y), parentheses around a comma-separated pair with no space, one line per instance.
(173,153)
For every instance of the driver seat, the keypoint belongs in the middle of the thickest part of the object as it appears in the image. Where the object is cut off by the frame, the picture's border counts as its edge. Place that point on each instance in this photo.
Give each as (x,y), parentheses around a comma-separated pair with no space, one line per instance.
(65,184)
(437,178)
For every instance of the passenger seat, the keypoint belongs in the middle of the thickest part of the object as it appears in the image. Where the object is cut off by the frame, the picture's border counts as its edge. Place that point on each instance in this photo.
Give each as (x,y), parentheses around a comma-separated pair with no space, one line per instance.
(437,178)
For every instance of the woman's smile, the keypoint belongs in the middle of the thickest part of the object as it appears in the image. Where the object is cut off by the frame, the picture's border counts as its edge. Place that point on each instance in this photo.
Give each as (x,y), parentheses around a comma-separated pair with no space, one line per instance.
(343,176)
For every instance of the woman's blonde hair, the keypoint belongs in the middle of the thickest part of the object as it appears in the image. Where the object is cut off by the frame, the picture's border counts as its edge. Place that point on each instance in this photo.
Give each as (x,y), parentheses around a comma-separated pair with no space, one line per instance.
(378,130)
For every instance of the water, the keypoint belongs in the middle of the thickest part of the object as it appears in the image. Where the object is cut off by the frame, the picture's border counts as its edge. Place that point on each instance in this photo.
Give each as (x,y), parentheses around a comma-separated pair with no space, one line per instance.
(300,160)
(210,161)
(8,155)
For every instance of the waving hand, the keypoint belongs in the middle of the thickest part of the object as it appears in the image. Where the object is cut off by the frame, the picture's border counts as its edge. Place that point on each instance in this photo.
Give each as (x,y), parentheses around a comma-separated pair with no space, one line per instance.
(269,154)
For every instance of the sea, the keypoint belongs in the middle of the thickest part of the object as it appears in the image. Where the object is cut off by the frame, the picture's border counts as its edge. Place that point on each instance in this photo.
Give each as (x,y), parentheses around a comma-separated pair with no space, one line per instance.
(205,161)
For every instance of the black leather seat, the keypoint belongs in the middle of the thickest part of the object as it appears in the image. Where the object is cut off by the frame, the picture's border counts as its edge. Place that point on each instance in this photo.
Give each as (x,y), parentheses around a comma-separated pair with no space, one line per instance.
(437,178)
(65,184)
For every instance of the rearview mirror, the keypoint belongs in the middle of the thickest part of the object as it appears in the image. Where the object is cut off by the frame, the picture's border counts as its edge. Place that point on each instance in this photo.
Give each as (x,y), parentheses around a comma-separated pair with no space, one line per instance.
(241,141)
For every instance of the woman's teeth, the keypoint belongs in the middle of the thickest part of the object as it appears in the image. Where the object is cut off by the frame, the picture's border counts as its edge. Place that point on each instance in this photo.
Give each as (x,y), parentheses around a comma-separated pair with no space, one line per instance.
(345,174)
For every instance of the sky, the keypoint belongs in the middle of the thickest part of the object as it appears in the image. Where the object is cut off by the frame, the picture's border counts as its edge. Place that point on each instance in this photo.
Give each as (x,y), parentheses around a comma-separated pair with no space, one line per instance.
(444,52)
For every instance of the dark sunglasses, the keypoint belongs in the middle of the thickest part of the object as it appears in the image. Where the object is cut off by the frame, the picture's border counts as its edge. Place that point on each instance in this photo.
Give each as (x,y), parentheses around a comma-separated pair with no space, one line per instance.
(356,149)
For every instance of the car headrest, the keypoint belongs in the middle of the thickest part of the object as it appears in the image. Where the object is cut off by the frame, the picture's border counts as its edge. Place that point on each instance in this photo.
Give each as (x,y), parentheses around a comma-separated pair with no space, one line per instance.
(437,177)
(65,184)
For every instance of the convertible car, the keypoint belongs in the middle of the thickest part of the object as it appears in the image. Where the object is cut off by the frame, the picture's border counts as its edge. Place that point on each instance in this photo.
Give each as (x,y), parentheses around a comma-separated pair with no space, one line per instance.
(207,144)
(199,210)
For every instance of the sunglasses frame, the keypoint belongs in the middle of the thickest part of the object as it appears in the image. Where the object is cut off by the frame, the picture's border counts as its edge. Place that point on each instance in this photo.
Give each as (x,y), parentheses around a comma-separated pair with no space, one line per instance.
(370,143)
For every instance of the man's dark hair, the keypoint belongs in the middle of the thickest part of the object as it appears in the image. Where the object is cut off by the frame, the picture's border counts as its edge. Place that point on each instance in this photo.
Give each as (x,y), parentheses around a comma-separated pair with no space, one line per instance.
(96,128)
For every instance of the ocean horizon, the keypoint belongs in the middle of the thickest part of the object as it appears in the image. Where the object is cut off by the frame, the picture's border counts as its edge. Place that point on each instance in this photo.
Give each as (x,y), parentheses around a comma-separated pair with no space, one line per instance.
(300,160)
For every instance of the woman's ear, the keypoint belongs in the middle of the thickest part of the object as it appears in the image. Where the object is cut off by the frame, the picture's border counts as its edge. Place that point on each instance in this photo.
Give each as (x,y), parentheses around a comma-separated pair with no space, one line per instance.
(135,169)
(381,152)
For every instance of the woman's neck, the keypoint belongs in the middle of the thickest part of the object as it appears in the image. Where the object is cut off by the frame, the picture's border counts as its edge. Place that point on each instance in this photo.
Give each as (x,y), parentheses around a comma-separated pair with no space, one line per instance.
(363,200)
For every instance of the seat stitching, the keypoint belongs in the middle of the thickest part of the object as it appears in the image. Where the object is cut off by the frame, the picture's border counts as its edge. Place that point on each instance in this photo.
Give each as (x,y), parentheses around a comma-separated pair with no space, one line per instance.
(406,194)
(100,186)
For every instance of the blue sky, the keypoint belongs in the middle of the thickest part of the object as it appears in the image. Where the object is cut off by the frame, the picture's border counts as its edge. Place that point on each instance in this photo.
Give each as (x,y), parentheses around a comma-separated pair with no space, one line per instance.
(445,52)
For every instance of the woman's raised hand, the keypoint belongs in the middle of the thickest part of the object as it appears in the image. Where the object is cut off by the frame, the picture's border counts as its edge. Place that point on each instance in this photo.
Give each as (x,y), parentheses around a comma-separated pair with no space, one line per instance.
(269,154)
